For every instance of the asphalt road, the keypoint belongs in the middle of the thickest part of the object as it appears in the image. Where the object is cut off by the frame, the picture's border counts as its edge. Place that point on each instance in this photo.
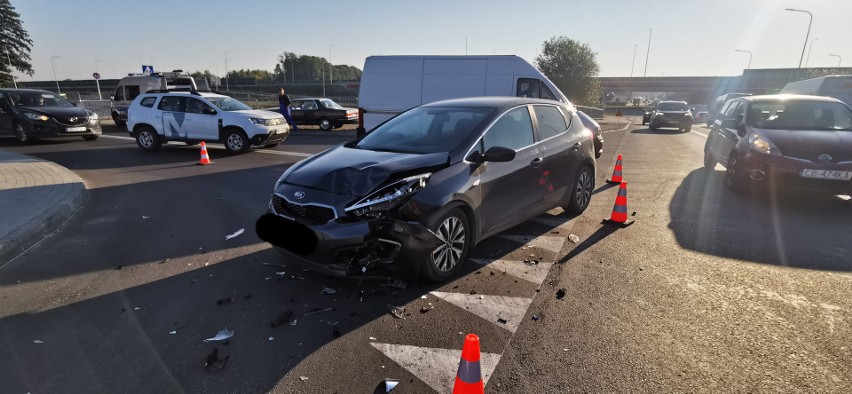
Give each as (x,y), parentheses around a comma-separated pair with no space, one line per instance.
(707,291)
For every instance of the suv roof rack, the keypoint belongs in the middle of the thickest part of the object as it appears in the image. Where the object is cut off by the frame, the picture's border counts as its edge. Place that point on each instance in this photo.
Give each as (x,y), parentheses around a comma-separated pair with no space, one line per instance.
(181,90)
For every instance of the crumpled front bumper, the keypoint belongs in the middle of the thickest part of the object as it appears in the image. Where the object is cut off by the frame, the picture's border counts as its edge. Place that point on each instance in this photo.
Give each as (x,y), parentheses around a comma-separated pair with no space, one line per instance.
(375,247)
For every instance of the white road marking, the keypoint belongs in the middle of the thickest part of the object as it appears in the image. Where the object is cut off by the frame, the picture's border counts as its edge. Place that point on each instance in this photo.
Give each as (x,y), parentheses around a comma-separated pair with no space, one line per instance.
(535,273)
(490,307)
(701,134)
(265,151)
(551,221)
(434,366)
(546,242)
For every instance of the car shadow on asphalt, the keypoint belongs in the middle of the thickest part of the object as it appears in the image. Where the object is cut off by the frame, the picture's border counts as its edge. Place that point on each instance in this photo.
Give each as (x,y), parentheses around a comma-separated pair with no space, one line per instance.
(657,132)
(795,230)
(599,234)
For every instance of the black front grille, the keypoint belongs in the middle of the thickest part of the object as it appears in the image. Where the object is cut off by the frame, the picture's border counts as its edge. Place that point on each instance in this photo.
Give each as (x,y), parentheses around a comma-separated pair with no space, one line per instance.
(73,121)
(308,213)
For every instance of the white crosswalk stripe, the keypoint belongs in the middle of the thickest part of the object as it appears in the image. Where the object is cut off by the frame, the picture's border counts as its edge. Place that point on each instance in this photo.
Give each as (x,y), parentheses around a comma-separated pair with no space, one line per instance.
(505,312)
(436,367)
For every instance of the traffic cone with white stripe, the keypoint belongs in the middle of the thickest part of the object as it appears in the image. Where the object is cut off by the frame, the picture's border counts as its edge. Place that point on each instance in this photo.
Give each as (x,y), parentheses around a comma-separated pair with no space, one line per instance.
(205,158)
(469,375)
(619,210)
(616,173)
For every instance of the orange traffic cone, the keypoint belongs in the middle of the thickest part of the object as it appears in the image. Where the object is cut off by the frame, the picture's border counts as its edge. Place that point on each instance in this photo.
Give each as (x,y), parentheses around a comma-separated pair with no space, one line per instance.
(205,158)
(616,173)
(619,210)
(469,376)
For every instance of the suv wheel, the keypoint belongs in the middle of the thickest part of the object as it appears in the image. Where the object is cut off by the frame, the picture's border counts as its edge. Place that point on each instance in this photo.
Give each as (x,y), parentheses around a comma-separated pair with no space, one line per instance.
(453,230)
(21,134)
(236,141)
(325,124)
(147,139)
(581,191)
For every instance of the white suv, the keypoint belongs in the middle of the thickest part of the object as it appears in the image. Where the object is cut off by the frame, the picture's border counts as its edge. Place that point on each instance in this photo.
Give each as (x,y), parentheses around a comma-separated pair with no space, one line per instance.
(157,117)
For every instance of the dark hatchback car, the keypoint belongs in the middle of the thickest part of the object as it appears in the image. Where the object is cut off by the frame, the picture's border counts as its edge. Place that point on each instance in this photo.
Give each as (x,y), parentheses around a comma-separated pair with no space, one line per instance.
(31,114)
(783,142)
(416,193)
(671,114)
(595,127)
(322,112)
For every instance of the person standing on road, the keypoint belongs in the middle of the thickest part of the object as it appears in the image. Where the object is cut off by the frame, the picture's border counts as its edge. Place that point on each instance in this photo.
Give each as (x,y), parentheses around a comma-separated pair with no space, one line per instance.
(284,107)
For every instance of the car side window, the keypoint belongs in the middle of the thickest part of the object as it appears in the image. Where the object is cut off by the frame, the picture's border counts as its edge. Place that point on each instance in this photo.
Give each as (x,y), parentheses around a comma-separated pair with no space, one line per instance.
(309,105)
(170,104)
(131,91)
(148,102)
(195,106)
(4,102)
(513,130)
(528,87)
(119,93)
(550,121)
(732,110)
(296,104)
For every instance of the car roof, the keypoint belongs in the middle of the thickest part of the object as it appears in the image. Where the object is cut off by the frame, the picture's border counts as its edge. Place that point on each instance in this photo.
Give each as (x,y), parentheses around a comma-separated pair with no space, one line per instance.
(184,92)
(796,97)
(492,101)
(27,91)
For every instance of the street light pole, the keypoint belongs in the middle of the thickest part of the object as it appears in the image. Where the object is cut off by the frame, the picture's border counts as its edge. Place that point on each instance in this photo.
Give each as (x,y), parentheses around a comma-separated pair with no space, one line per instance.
(330,66)
(633,63)
(839,59)
(97,80)
(647,54)
(227,85)
(807,35)
(810,47)
(53,65)
(749,56)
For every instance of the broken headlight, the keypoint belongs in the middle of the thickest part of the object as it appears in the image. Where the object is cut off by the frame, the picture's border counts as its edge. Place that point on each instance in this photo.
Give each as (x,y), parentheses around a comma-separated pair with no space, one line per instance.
(389,196)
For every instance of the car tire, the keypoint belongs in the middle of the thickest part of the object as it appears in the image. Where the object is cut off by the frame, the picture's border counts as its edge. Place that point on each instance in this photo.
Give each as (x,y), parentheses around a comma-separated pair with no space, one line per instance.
(709,161)
(91,137)
(235,140)
(118,122)
(325,124)
(147,138)
(452,227)
(581,191)
(734,176)
(21,134)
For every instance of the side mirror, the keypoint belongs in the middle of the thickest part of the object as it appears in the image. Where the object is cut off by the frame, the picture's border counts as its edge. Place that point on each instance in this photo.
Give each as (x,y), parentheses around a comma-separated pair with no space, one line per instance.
(208,111)
(498,154)
(730,123)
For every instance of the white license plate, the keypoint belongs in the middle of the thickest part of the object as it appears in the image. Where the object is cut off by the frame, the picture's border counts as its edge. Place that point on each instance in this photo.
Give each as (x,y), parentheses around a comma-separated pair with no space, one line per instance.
(73,129)
(826,174)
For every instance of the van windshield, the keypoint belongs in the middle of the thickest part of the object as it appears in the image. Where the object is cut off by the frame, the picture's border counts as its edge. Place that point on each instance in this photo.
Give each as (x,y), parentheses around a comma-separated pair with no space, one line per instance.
(426,130)
(228,104)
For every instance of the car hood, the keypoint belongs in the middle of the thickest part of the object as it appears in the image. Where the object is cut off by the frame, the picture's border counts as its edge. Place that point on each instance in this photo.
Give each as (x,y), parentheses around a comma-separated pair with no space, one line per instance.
(356,172)
(61,112)
(258,113)
(810,144)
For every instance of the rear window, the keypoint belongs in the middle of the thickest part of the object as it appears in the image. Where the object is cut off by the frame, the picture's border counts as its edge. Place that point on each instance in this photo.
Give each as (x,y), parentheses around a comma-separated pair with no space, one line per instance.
(148,101)
(672,107)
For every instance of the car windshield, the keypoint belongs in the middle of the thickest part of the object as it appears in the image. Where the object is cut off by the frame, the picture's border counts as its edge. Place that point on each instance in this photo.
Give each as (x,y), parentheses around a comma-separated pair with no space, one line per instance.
(426,130)
(330,104)
(672,107)
(800,115)
(228,104)
(39,99)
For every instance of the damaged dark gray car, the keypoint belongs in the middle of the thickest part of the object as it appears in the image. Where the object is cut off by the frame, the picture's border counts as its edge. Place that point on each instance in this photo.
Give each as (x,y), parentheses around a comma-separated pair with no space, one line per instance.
(416,193)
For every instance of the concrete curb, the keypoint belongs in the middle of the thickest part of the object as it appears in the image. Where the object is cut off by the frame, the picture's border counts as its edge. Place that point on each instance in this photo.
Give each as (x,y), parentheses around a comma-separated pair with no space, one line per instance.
(46,222)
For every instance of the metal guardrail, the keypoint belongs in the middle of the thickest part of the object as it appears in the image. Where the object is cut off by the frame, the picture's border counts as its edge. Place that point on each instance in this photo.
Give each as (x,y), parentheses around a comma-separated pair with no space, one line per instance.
(596,113)
(100,107)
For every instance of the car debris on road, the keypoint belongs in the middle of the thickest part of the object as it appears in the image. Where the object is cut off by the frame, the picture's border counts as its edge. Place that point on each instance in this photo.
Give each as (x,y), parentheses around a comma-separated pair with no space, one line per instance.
(222,335)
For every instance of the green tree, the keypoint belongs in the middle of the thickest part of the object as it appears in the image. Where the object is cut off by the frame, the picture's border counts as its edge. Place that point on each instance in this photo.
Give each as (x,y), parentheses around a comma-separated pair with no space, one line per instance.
(573,67)
(261,75)
(304,68)
(16,44)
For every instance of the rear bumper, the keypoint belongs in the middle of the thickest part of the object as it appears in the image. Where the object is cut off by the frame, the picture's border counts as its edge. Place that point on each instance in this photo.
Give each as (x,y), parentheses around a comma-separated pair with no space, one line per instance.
(355,249)
(784,173)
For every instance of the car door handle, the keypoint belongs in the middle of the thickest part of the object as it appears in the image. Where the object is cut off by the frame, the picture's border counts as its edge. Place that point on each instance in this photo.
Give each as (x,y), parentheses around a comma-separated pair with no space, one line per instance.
(577,145)
(536,162)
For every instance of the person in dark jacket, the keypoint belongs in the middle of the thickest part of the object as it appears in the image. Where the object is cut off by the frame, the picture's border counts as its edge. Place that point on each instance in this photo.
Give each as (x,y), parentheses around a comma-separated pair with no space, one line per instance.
(284,108)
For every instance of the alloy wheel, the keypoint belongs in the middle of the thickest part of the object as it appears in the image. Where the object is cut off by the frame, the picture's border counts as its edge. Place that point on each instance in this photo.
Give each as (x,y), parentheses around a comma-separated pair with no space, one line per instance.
(584,189)
(235,142)
(448,255)
(21,134)
(146,139)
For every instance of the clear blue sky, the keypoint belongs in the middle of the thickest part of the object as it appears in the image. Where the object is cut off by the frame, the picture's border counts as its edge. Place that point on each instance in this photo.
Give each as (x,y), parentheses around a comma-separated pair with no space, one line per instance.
(691,37)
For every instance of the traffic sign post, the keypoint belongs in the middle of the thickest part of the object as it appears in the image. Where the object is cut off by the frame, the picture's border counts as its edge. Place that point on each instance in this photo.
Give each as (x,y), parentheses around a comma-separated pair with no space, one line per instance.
(97,77)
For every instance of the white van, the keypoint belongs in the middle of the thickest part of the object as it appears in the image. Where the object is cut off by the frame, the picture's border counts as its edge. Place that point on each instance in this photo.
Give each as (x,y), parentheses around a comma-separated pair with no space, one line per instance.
(836,86)
(135,84)
(393,84)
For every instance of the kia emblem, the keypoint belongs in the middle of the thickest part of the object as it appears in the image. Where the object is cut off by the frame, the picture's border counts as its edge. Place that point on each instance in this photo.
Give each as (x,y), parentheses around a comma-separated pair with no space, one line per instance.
(825,157)
(299,195)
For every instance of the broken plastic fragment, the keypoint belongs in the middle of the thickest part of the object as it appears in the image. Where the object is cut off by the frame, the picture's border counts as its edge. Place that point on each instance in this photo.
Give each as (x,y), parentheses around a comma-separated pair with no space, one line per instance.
(327,290)
(38,341)
(397,311)
(481,297)
(145,217)
(222,335)
(281,273)
(574,238)
(303,378)
(560,293)
(172,332)
(396,284)
(423,297)
(535,317)
(502,321)
(428,308)
(235,234)
(372,338)
(271,339)
(390,384)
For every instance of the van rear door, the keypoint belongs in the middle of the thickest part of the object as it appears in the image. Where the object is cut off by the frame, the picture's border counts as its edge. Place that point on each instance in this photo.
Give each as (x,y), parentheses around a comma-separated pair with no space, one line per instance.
(389,86)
